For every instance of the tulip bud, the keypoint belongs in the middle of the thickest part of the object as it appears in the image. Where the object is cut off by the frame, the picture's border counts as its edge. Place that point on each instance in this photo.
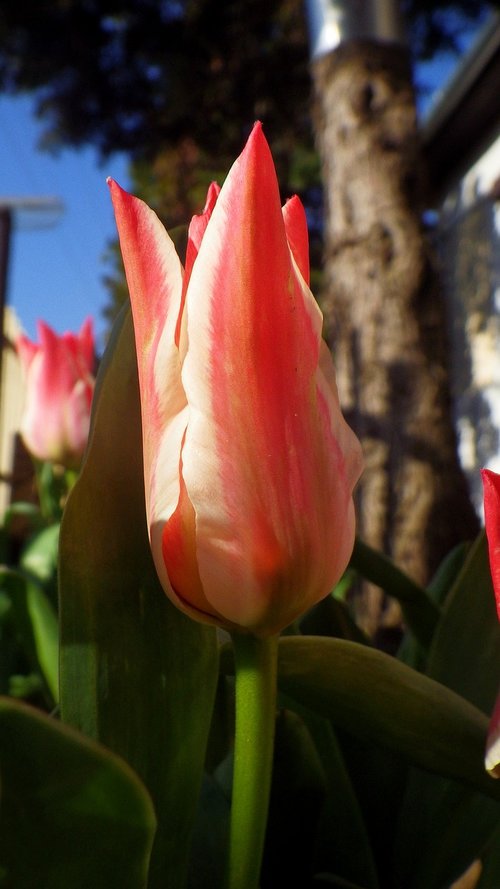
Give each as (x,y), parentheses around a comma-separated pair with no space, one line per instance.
(59,389)
(249,465)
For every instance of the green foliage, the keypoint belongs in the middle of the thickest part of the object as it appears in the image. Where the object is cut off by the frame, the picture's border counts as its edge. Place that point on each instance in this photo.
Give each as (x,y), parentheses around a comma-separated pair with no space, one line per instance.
(136,674)
(378,775)
(29,644)
(73,814)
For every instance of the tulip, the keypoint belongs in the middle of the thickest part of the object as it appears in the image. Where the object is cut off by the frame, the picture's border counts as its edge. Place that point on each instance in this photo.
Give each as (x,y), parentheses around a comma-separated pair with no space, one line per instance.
(491,489)
(59,389)
(249,465)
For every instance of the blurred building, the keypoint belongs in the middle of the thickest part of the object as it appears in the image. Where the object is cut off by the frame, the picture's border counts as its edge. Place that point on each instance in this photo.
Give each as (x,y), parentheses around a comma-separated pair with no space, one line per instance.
(15,465)
(462,141)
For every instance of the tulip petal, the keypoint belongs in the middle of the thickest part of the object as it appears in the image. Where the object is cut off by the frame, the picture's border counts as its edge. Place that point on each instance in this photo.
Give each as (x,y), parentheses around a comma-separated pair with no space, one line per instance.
(77,415)
(491,489)
(51,380)
(86,344)
(274,529)
(196,231)
(294,217)
(59,389)
(26,351)
(197,228)
(154,276)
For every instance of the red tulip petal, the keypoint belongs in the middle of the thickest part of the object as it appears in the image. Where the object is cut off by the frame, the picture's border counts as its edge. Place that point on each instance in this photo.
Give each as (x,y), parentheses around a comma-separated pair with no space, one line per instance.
(196,231)
(491,489)
(294,217)
(274,527)
(86,344)
(154,276)
(26,350)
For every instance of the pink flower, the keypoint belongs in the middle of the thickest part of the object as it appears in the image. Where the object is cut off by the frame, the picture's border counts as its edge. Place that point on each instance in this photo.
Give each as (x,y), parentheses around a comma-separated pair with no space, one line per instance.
(491,489)
(59,389)
(249,465)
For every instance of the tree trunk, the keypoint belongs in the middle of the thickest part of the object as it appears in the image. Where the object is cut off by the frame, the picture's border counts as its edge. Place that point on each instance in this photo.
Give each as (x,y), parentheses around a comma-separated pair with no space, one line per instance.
(384,313)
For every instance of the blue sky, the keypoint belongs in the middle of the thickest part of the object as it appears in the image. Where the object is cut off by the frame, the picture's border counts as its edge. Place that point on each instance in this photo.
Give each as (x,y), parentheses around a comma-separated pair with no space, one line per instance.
(56,272)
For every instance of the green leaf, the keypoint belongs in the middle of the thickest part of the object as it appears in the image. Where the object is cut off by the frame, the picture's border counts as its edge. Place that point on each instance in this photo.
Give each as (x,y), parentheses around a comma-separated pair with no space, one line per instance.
(23,509)
(374,696)
(39,556)
(342,844)
(297,798)
(411,652)
(442,827)
(490,877)
(420,612)
(331,617)
(36,624)
(136,674)
(73,814)
(207,866)
(465,653)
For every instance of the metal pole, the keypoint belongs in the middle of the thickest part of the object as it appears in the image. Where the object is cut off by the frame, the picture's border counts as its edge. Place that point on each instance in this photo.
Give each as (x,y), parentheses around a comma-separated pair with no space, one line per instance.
(334,21)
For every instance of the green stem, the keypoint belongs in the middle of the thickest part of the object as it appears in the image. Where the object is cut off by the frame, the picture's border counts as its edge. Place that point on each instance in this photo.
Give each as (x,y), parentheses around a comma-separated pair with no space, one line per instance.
(255,666)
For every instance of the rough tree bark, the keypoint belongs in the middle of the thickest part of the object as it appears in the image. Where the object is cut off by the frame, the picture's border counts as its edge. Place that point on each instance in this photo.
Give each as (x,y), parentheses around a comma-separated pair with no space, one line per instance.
(384,312)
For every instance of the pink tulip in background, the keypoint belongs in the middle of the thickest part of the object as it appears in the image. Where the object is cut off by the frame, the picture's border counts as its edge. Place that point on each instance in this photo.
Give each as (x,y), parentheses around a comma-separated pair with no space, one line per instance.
(59,389)
(491,488)
(249,465)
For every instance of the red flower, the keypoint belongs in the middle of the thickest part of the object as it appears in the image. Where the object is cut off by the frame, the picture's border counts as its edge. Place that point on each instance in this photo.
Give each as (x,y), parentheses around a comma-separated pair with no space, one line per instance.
(491,489)
(59,388)
(249,465)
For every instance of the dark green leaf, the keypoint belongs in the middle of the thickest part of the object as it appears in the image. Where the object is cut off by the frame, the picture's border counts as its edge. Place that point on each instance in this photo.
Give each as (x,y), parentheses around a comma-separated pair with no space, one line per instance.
(36,624)
(465,653)
(39,556)
(420,612)
(135,673)
(374,696)
(297,797)
(72,814)
(207,865)
(411,652)
(342,844)
(443,826)
(331,617)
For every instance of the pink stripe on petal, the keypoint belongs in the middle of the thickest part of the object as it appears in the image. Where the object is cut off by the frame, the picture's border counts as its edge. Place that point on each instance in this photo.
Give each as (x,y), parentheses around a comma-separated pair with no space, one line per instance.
(198,225)
(263,469)
(26,350)
(294,217)
(491,489)
(154,276)
(86,343)
(196,231)
(77,415)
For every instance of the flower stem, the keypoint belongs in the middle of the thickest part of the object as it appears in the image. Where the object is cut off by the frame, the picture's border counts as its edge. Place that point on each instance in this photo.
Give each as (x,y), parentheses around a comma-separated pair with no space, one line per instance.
(255,664)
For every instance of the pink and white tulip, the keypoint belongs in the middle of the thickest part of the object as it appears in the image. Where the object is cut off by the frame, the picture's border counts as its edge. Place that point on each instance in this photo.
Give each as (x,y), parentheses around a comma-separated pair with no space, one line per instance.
(491,489)
(59,389)
(249,465)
